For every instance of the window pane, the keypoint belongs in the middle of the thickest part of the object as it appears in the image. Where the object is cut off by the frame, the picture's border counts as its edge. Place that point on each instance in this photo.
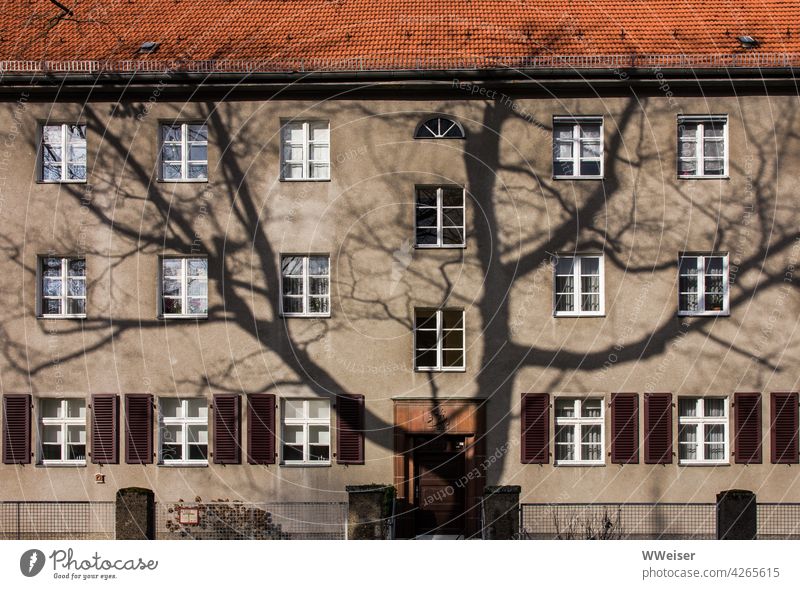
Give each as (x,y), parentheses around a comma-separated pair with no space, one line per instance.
(76,287)
(689,303)
(319,409)
(714,129)
(197,266)
(687,129)
(172,306)
(197,133)
(197,306)
(715,442)
(452,196)
(687,407)
(319,435)
(319,153)
(50,408)
(76,172)
(198,434)
(426,236)
(318,304)
(564,284)
(714,302)
(426,196)
(198,451)
(51,134)
(170,152)
(425,339)
(713,167)
(563,169)
(688,284)
(563,131)
(318,286)
(76,267)
(293,171)
(319,131)
(51,267)
(591,443)
(76,443)
(452,237)
(292,453)
(170,407)
(198,287)
(565,408)
(198,171)
(565,265)
(293,435)
(426,359)
(452,319)
(51,287)
(590,150)
(292,304)
(76,306)
(590,284)
(171,171)
(293,409)
(453,358)
(198,152)
(170,132)
(51,306)
(425,318)
(590,130)
(426,217)
(687,442)
(76,408)
(714,407)
(714,149)
(687,149)
(51,154)
(590,168)
(591,408)
(453,339)
(197,408)
(565,437)
(292,266)
(687,167)
(292,286)
(453,217)
(320,171)
(318,265)
(565,303)
(171,287)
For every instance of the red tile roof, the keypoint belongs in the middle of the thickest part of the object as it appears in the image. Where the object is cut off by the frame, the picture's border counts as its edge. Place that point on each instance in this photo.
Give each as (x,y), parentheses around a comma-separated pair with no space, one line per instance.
(399,32)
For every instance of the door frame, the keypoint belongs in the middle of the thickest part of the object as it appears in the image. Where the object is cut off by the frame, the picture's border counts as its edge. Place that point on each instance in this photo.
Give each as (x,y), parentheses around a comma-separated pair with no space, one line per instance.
(459,417)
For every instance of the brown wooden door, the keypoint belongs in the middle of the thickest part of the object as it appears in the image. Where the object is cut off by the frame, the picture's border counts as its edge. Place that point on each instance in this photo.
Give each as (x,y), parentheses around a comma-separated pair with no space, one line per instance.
(440,495)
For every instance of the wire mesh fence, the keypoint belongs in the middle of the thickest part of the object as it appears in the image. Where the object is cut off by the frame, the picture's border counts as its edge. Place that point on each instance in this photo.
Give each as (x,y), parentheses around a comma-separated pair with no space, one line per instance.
(618,521)
(778,521)
(251,521)
(57,520)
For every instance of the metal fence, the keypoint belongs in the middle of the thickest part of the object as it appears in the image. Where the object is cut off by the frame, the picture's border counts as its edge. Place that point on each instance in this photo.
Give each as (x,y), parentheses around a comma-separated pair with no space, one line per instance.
(251,521)
(57,520)
(618,521)
(778,521)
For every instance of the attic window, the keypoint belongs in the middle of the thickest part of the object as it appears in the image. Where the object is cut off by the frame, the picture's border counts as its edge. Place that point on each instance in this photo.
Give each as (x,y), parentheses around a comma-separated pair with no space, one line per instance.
(149,47)
(439,128)
(748,42)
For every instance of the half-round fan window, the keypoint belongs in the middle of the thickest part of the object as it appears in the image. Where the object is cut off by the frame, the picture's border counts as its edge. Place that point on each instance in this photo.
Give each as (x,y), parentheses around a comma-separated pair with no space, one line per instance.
(439,128)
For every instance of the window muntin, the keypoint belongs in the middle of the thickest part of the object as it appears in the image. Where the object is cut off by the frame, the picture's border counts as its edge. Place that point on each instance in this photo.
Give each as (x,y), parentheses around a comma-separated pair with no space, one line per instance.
(703,147)
(438,339)
(305,286)
(62,424)
(62,287)
(703,285)
(579,286)
(184,287)
(439,216)
(703,430)
(63,153)
(439,128)
(305,150)
(578,147)
(306,431)
(580,431)
(183,430)
(184,152)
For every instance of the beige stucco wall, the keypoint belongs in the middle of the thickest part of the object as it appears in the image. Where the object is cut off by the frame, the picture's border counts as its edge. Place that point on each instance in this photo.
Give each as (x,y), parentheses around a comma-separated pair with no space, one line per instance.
(641,215)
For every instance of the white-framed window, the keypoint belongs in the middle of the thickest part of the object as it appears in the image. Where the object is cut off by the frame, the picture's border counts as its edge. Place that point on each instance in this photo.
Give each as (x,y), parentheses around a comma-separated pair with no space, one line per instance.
(439,128)
(306,431)
(305,150)
(184,152)
(703,430)
(62,287)
(579,285)
(580,431)
(305,286)
(703,284)
(63,153)
(703,146)
(438,339)
(183,286)
(62,427)
(439,218)
(183,431)
(578,147)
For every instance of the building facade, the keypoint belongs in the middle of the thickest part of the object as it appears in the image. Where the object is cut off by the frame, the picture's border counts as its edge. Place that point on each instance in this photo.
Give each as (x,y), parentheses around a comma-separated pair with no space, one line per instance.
(268,287)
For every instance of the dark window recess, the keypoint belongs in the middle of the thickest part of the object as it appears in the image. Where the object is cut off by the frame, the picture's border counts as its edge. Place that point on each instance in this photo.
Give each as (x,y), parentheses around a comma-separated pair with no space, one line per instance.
(747,428)
(227,416)
(658,428)
(783,428)
(105,429)
(139,429)
(625,428)
(350,429)
(261,429)
(535,428)
(16,429)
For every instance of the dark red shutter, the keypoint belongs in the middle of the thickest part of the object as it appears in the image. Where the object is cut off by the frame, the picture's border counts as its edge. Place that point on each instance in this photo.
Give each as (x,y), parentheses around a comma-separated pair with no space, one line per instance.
(747,428)
(535,428)
(350,429)
(658,428)
(105,429)
(227,416)
(139,429)
(16,429)
(261,429)
(625,428)
(783,428)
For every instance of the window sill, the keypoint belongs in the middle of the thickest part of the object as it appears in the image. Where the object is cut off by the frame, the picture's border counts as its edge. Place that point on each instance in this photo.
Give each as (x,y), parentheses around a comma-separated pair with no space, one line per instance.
(305,179)
(306,464)
(705,314)
(305,316)
(704,463)
(182,464)
(725,177)
(84,181)
(61,316)
(183,181)
(567,315)
(179,317)
(579,177)
(577,463)
(440,247)
(62,464)
(418,369)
